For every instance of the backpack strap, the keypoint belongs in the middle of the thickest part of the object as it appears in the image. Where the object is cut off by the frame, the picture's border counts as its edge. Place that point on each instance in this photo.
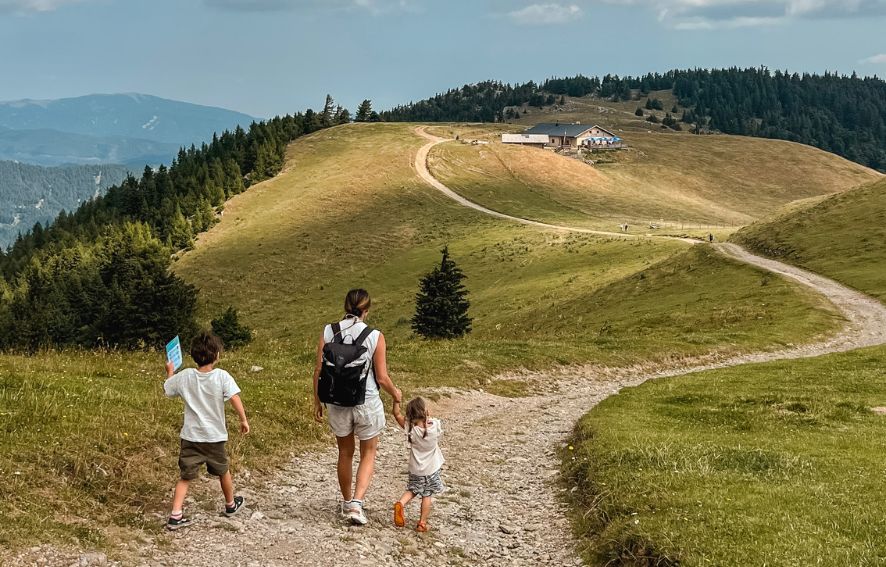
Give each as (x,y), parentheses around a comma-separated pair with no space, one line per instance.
(359,341)
(363,336)
(337,336)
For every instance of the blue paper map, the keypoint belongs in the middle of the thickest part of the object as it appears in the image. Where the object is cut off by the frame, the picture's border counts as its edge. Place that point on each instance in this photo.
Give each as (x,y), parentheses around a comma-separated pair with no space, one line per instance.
(174,352)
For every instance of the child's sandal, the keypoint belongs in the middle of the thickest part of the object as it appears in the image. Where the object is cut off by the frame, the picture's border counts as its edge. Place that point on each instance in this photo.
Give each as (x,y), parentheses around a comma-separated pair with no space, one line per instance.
(399,516)
(421,527)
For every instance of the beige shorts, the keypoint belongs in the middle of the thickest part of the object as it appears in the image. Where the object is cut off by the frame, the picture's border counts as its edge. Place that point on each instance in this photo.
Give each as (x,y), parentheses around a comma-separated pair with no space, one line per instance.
(365,421)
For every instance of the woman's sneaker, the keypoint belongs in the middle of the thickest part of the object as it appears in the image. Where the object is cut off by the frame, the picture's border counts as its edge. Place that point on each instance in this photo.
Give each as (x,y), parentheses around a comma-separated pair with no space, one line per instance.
(346,508)
(356,514)
(173,524)
(238,503)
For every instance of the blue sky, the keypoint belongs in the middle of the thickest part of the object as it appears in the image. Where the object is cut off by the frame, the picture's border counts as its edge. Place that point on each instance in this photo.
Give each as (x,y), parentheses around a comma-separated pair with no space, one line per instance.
(267,57)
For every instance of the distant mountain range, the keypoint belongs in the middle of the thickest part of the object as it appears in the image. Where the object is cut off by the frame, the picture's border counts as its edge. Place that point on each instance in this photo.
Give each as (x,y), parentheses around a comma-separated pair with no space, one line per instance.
(132,129)
(51,147)
(31,193)
(97,138)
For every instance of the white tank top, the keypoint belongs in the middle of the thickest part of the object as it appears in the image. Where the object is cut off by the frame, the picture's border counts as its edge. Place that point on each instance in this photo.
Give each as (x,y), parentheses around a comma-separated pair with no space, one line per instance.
(351,328)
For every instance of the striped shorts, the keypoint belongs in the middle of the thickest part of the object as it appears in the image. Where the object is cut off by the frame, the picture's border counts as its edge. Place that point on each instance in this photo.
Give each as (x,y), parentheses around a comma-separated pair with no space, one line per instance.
(425,486)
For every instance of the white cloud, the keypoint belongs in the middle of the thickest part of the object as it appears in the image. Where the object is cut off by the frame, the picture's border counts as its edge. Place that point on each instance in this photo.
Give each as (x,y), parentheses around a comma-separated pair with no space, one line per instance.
(31,6)
(545,14)
(719,14)
(879,59)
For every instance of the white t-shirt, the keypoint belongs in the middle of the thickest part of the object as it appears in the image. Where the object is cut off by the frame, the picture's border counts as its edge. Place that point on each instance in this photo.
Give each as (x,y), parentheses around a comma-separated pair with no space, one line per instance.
(204,394)
(425,456)
(350,330)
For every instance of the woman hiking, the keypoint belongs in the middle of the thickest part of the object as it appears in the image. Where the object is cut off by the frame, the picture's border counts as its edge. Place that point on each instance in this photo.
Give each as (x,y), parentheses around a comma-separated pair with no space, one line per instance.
(351,368)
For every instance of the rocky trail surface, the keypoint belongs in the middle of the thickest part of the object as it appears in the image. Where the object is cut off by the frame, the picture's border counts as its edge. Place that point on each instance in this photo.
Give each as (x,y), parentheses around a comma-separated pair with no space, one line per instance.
(504,502)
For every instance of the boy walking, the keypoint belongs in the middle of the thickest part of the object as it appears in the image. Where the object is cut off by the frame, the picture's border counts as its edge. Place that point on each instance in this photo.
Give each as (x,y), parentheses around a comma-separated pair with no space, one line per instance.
(204,432)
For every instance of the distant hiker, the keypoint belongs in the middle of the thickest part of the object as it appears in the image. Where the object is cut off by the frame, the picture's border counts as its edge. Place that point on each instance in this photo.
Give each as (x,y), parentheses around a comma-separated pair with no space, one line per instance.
(204,432)
(351,366)
(710,237)
(423,435)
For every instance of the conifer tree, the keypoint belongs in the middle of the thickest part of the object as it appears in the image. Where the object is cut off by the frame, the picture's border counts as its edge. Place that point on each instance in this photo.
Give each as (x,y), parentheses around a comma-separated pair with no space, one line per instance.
(364,111)
(230,330)
(441,304)
(180,234)
(638,112)
(327,117)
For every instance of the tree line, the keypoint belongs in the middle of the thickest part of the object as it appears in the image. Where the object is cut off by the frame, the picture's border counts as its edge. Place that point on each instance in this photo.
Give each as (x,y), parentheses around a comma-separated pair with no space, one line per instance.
(842,114)
(100,275)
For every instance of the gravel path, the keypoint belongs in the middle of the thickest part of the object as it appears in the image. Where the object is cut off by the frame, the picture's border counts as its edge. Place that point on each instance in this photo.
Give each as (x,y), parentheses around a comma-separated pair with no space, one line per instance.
(503,506)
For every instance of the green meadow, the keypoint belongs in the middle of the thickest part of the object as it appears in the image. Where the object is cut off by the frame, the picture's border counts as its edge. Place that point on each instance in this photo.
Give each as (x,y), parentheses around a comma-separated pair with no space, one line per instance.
(772,464)
(841,237)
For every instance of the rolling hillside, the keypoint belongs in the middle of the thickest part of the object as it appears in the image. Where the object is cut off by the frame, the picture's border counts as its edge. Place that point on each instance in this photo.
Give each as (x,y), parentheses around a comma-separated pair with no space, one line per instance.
(278,241)
(348,210)
(841,237)
(676,180)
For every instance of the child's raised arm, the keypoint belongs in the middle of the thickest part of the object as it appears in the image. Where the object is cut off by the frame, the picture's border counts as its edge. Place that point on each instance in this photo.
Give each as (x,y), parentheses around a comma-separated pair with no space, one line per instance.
(399,416)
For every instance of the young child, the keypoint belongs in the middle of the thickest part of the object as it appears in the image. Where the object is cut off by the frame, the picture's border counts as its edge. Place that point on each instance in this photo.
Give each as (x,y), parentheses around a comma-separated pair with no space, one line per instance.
(425,460)
(204,433)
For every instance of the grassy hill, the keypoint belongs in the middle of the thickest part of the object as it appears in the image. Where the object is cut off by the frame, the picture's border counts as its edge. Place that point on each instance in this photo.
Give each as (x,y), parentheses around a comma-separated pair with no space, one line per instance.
(675,179)
(841,237)
(91,438)
(768,464)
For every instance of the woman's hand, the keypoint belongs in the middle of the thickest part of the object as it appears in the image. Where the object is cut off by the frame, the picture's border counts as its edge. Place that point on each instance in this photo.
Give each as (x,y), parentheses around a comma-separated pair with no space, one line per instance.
(318,411)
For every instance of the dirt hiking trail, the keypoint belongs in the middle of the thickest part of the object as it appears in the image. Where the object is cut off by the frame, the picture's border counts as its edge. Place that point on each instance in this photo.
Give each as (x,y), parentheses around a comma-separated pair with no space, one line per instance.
(504,504)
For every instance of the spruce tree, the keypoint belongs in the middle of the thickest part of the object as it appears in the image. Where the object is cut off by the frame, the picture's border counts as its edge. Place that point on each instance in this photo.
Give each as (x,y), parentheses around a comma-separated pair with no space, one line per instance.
(327,118)
(364,111)
(638,112)
(441,304)
(230,330)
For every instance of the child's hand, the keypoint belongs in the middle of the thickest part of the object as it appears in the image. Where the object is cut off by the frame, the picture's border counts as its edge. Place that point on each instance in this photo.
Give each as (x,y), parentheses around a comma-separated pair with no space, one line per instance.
(318,411)
(170,369)
(244,427)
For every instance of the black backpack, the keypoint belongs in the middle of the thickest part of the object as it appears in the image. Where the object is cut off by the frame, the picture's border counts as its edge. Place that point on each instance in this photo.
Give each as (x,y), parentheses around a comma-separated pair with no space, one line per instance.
(342,377)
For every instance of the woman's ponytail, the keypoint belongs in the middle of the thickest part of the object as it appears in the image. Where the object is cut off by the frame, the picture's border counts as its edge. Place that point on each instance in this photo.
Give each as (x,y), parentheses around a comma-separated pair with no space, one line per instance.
(357,302)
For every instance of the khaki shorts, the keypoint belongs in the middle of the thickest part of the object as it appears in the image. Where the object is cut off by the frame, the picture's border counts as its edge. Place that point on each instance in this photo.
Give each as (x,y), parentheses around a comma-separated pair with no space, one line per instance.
(193,455)
(366,421)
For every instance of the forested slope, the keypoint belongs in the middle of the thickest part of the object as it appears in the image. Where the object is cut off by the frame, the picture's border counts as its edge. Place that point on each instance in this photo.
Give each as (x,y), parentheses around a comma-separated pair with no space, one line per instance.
(30,193)
(842,114)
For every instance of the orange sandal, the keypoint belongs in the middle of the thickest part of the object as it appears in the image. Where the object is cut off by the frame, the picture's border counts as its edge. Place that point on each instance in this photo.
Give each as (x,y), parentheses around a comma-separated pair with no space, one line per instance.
(421,527)
(399,517)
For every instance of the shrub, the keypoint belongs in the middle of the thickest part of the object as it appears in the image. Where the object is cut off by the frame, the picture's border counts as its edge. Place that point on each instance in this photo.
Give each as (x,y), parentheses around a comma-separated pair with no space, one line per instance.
(230,330)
